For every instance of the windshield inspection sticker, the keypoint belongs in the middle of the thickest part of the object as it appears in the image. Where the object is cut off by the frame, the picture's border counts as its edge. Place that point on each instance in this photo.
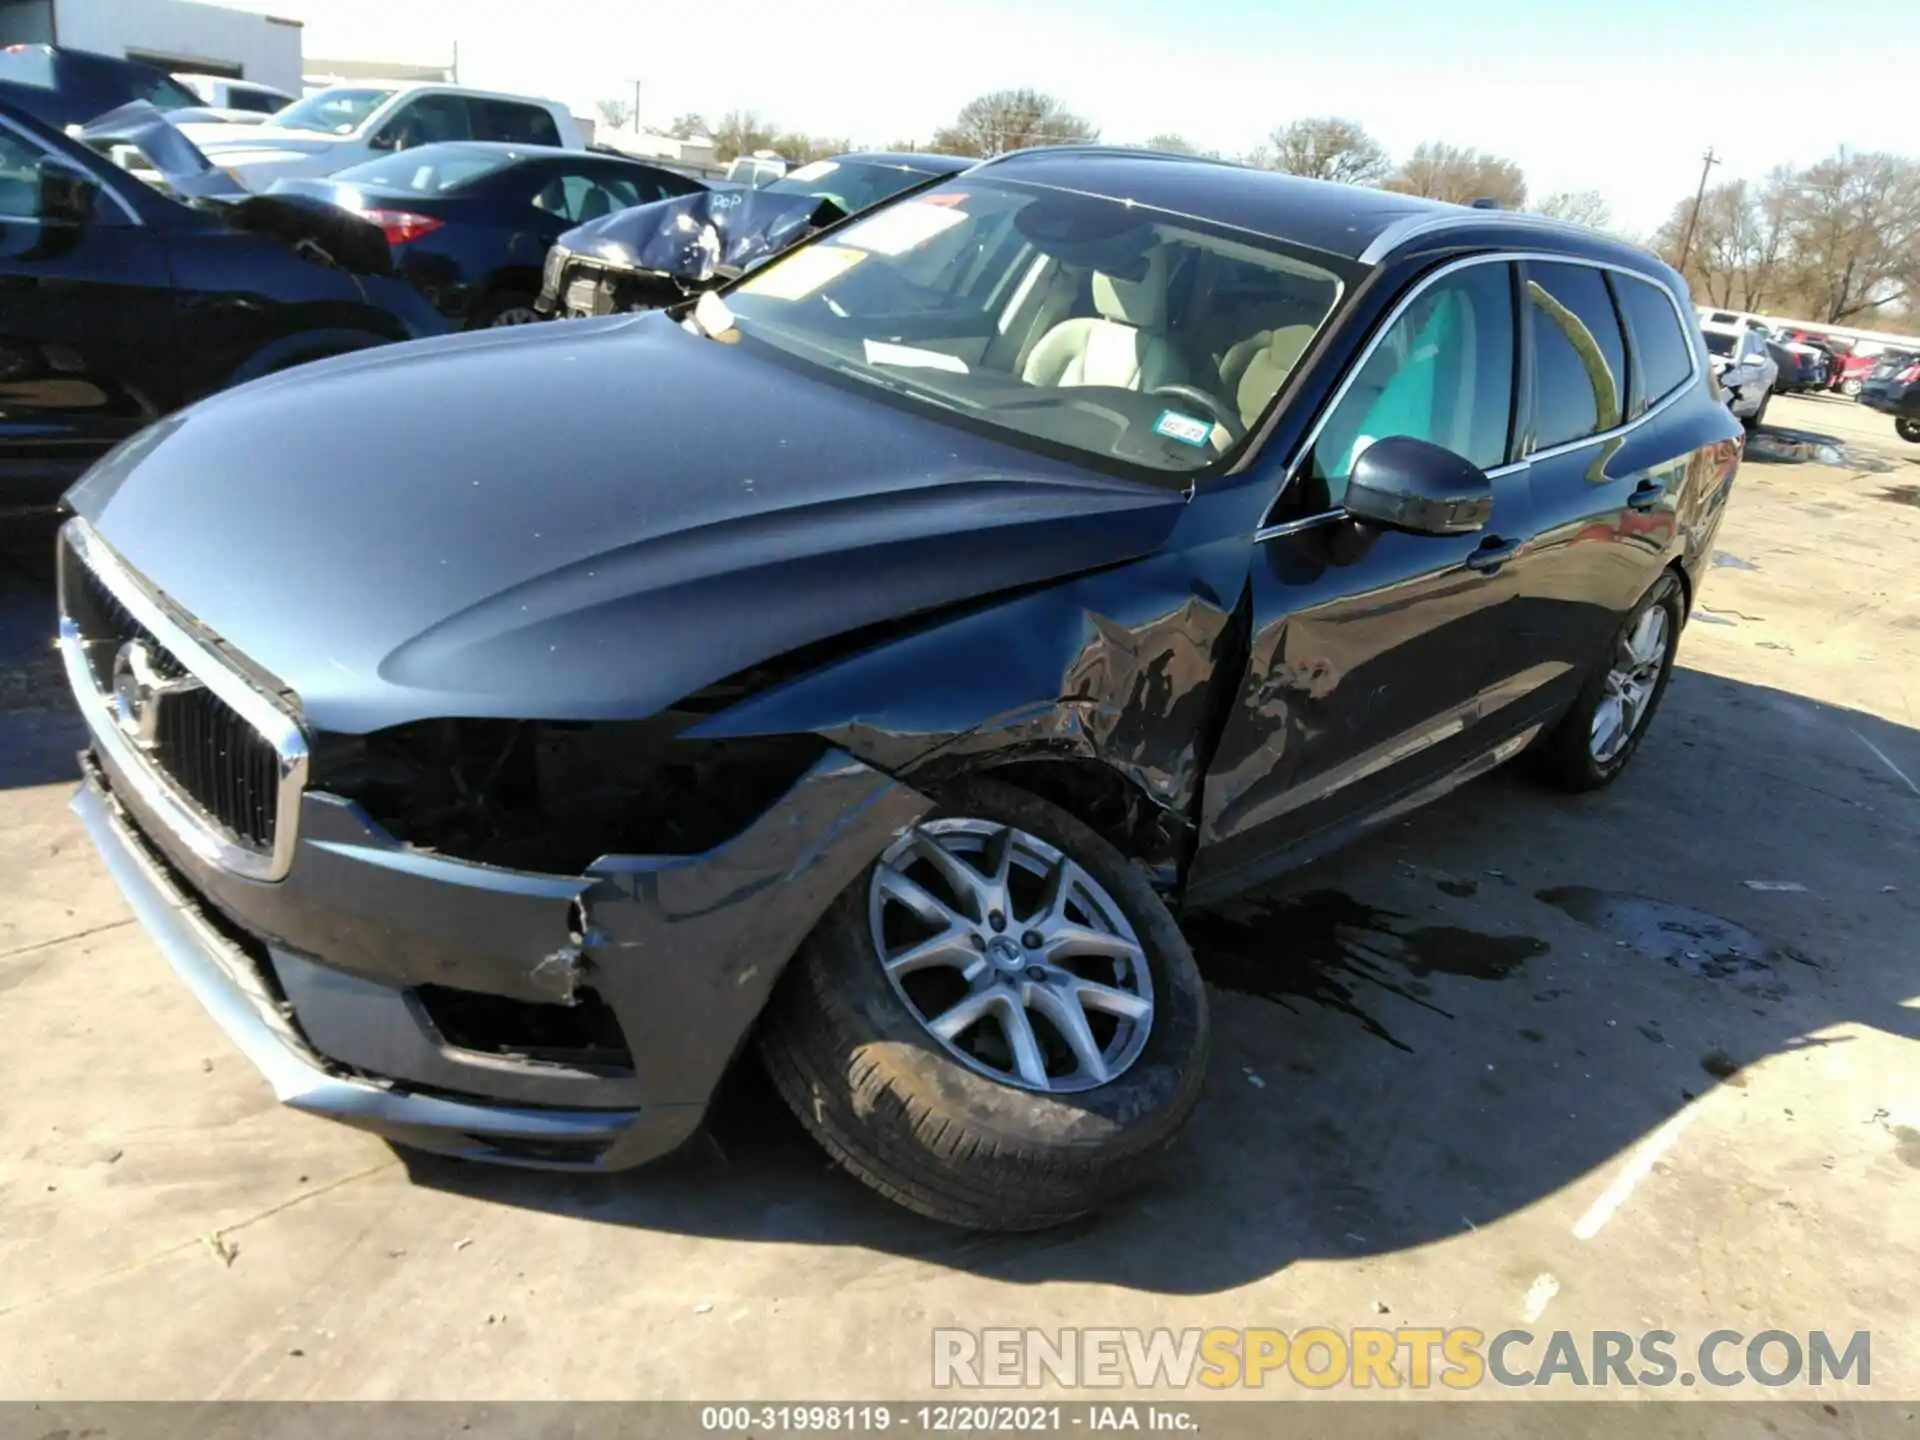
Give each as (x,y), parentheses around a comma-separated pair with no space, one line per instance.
(899,228)
(799,273)
(1184,428)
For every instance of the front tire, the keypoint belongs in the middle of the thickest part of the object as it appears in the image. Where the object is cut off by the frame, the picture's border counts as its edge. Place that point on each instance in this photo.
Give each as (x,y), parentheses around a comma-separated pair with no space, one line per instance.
(1598,736)
(1850,389)
(996,1076)
(1907,429)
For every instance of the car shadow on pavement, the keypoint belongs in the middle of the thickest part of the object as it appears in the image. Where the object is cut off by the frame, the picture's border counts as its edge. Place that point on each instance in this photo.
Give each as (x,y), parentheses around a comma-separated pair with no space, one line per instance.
(1492,1001)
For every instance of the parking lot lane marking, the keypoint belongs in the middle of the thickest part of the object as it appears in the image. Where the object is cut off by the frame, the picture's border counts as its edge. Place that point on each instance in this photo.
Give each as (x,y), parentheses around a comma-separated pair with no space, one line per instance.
(1635,1170)
(1539,1293)
(1881,755)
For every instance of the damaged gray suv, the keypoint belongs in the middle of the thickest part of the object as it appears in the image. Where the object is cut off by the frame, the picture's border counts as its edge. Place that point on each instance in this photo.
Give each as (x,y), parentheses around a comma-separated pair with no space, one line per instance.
(502,733)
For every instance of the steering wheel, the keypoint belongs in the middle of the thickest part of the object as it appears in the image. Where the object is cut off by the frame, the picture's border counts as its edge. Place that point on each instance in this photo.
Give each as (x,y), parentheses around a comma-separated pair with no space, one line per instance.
(1216,410)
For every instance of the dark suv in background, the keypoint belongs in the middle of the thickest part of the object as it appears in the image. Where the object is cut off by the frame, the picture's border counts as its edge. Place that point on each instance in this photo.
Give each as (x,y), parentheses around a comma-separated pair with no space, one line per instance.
(119,303)
(1894,389)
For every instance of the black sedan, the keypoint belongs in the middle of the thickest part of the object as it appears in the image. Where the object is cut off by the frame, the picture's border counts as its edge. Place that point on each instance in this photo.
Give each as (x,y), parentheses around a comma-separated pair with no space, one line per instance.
(470,222)
(119,303)
(1894,389)
(661,253)
(865,660)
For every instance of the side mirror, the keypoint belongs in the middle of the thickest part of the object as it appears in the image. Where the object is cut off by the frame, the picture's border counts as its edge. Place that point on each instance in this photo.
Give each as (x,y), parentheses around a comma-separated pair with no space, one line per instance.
(67,193)
(1401,483)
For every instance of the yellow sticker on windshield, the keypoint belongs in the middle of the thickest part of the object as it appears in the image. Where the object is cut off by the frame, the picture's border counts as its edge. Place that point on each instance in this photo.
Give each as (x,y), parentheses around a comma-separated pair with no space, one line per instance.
(796,276)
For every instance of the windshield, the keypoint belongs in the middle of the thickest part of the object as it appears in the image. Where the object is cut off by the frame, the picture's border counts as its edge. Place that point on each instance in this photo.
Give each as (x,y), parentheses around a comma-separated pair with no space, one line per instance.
(429,169)
(853,185)
(1093,326)
(1719,344)
(332,112)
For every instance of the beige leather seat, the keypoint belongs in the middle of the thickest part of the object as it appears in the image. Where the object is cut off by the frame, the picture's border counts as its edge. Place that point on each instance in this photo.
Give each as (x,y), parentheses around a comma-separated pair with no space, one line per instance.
(1125,345)
(1254,370)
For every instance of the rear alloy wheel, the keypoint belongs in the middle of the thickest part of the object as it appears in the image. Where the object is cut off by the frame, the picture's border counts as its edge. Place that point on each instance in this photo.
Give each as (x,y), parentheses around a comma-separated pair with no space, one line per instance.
(505,307)
(998,1025)
(1907,429)
(1593,742)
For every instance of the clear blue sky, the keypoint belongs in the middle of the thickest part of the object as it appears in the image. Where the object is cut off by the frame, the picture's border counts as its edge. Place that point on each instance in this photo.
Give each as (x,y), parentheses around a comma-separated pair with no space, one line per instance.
(1620,97)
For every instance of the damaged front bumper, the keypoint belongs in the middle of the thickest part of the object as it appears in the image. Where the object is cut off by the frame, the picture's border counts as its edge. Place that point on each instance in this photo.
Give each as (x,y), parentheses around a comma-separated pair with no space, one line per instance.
(337,980)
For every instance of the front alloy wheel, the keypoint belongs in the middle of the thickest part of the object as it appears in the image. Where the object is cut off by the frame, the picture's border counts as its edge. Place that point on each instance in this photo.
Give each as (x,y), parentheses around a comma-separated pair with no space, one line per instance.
(1010,955)
(998,1024)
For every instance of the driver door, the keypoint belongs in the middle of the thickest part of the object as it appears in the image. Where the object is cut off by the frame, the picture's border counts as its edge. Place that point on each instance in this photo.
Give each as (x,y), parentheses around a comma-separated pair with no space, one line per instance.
(1376,655)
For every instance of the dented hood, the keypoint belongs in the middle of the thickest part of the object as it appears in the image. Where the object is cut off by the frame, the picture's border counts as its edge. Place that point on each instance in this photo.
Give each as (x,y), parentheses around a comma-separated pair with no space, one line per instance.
(578,521)
(697,237)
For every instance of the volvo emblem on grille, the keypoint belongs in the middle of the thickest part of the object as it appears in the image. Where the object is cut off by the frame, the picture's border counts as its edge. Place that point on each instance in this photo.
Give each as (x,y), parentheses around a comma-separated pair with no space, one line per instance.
(138,689)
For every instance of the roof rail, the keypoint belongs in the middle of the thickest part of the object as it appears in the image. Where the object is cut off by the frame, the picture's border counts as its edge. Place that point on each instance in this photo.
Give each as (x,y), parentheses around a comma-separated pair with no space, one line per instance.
(1131,151)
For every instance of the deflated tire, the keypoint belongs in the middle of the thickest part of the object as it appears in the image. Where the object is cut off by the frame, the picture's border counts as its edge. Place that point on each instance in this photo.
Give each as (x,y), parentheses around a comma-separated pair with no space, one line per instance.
(999,1024)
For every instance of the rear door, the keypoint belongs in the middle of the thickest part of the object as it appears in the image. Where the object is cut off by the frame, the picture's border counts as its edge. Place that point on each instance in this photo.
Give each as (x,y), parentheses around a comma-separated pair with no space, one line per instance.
(1376,657)
(87,351)
(1603,482)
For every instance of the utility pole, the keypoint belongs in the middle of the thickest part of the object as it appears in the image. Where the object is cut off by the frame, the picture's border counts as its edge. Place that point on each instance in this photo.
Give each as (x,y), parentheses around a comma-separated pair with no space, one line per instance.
(1709,160)
(635,122)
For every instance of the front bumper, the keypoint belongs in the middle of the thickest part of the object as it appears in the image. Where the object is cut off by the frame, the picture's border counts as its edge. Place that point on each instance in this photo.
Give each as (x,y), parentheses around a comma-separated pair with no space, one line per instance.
(685,951)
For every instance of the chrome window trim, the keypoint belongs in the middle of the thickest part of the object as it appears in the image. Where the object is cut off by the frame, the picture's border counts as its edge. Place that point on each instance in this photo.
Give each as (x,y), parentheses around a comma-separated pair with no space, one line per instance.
(1419,288)
(133,216)
(176,809)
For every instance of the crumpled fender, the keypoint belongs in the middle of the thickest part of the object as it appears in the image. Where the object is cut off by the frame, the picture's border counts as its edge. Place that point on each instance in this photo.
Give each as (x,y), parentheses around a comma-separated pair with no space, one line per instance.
(1123,667)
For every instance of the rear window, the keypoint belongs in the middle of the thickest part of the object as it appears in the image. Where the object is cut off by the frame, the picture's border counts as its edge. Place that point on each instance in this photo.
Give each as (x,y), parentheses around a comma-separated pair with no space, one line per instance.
(1579,356)
(1719,343)
(514,123)
(1666,361)
(430,170)
(258,101)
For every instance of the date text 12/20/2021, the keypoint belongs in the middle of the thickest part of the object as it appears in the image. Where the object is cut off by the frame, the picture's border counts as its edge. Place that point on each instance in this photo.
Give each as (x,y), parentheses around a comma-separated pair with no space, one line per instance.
(962,1419)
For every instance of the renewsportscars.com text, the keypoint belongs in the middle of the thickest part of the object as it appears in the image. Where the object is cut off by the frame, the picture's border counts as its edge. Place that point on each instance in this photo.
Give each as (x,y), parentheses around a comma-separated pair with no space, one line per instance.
(1407,1357)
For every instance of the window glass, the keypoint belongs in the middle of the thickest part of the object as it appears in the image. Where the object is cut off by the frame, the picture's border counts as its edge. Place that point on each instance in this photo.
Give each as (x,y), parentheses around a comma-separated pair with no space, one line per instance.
(582,196)
(258,101)
(1665,358)
(428,172)
(1045,317)
(1443,372)
(428,121)
(853,185)
(1579,358)
(163,92)
(27,65)
(514,123)
(1719,343)
(339,111)
(19,179)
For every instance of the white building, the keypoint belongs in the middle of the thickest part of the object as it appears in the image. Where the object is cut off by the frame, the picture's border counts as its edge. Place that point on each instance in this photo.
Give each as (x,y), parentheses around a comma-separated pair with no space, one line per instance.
(176,35)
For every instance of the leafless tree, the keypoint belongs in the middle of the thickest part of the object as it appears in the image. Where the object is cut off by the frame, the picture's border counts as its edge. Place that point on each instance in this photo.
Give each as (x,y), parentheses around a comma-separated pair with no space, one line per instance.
(617,113)
(688,126)
(1853,222)
(1462,175)
(740,132)
(1170,143)
(1581,207)
(1012,120)
(1326,147)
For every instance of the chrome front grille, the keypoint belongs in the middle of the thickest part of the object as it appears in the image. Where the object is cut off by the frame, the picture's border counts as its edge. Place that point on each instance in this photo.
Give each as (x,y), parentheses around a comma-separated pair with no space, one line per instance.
(216,756)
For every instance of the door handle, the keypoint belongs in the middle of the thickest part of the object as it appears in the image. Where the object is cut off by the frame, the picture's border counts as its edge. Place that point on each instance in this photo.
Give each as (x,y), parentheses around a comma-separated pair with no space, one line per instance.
(1492,554)
(1646,495)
